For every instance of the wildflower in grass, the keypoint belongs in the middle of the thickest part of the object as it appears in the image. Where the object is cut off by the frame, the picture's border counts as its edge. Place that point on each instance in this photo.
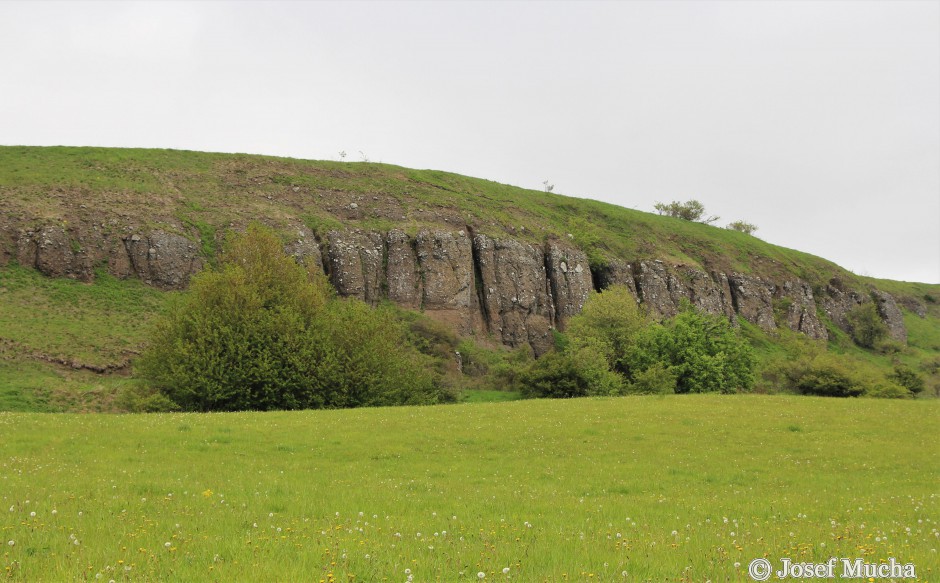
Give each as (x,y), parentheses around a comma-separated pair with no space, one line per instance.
(505,570)
(481,575)
(12,543)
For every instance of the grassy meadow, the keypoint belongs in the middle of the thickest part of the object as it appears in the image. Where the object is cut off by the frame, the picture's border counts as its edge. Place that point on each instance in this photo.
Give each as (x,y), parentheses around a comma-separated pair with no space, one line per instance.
(679,488)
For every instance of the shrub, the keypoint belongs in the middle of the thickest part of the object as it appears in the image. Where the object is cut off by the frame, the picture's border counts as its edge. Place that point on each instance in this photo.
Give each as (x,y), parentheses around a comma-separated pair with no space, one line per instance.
(865,325)
(703,352)
(907,378)
(691,210)
(610,321)
(887,390)
(743,227)
(656,380)
(577,372)
(823,375)
(259,332)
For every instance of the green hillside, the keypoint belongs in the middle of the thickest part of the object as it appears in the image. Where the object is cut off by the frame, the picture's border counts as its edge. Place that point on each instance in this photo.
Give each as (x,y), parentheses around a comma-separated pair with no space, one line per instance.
(70,345)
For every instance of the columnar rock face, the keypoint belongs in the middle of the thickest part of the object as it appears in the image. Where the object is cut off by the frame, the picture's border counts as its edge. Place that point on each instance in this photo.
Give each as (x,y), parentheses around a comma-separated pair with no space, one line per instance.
(801,310)
(163,259)
(49,250)
(569,277)
(305,248)
(515,294)
(618,272)
(405,287)
(653,282)
(514,290)
(445,261)
(891,315)
(752,299)
(838,302)
(356,264)
(704,292)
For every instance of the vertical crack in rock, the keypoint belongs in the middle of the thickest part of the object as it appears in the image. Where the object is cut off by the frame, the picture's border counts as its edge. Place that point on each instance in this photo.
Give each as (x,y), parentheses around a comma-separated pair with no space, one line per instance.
(513,276)
(446,263)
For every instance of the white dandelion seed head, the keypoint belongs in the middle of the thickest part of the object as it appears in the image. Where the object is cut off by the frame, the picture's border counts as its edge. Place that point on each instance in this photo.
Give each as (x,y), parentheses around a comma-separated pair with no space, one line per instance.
(167,545)
(505,570)
(12,543)
(481,575)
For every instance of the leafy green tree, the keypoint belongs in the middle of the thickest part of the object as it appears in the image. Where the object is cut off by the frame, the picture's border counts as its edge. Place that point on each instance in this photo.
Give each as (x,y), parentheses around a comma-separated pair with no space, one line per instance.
(691,210)
(578,371)
(743,226)
(260,332)
(907,378)
(610,321)
(866,326)
(702,351)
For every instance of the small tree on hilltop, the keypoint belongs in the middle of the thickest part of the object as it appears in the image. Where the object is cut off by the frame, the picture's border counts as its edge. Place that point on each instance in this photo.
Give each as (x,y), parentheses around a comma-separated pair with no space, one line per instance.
(691,210)
(743,226)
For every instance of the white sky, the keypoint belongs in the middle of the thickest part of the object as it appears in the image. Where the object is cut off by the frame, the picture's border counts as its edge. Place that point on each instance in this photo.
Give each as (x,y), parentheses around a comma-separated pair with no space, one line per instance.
(817,121)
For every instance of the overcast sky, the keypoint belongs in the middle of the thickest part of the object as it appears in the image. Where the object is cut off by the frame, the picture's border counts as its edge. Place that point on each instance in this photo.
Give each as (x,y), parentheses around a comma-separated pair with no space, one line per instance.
(819,121)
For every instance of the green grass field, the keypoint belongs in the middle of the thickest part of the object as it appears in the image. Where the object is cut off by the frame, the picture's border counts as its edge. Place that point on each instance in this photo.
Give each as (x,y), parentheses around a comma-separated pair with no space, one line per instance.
(682,488)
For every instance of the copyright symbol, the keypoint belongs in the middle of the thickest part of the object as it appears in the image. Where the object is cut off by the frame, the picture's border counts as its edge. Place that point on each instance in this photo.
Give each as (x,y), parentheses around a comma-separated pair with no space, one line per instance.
(759,569)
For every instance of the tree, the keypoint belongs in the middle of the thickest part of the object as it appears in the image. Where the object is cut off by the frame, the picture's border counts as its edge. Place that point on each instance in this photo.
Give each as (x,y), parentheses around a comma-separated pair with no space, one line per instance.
(610,320)
(866,326)
(691,210)
(702,351)
(743,226)
(577,371)
(260,332)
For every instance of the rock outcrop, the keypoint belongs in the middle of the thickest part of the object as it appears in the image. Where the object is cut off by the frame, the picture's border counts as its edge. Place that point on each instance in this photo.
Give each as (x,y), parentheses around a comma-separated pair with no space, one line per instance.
(514,290)
(515,296)
(752,298)
(355,264)
(569,276)
(165,260)
(801,309)
(890,315)
(405,286)
(445,261)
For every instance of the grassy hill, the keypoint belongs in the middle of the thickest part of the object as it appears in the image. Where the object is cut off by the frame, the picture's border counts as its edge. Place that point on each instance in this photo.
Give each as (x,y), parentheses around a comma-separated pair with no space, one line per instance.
(67,345)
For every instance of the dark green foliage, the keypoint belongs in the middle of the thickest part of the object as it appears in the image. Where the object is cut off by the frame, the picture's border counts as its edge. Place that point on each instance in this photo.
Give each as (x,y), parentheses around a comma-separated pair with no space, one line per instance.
(907,378)
(577,372)
(866,326)
(702,351)
(655,380)
(260,332)
(823,375)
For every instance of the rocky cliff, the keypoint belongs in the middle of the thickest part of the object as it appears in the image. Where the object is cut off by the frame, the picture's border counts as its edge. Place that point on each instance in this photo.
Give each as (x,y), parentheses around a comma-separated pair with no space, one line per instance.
(514,290)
